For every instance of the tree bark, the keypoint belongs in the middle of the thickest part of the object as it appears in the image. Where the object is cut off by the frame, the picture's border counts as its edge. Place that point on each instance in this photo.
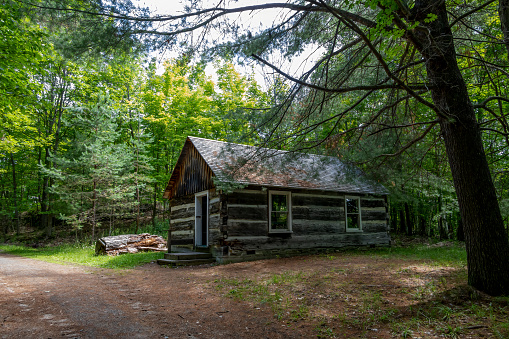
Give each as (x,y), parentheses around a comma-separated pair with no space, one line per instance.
(130,243)
(394,218)
(154,208)
(460,236)
(402,220)
(94,204)
(46,218)
(422,226)
(14,195)
(409,220)
(486,240)
(503,13)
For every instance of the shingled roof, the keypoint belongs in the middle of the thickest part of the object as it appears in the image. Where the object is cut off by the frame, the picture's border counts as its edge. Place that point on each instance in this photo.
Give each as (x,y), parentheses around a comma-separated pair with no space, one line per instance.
(250,165)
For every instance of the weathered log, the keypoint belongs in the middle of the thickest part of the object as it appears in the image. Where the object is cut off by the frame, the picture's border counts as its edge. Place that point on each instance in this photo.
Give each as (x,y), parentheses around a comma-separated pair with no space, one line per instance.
(130,243)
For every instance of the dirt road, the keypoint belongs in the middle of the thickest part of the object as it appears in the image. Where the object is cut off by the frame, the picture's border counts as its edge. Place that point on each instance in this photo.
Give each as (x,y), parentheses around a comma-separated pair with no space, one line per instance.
(45,300)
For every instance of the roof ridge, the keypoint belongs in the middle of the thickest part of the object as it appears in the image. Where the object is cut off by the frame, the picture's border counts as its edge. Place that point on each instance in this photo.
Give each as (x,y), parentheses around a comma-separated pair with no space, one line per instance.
(257,165)
(268,149)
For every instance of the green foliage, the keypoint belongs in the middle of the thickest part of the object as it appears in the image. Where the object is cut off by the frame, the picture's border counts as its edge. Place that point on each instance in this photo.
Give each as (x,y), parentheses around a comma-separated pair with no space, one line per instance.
(96,173)
(184,101)
(22,52)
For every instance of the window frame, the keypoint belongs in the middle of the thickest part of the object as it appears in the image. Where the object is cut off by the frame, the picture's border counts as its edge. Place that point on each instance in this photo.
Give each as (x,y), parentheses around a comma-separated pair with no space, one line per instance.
(288,195)
(359,213)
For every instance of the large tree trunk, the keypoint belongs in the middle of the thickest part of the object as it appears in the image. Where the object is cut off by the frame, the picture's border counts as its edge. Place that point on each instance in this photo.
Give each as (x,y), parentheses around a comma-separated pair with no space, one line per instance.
(486,240)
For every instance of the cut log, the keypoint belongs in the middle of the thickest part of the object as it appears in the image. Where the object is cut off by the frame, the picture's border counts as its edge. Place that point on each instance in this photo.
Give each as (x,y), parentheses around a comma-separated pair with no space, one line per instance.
(130,243)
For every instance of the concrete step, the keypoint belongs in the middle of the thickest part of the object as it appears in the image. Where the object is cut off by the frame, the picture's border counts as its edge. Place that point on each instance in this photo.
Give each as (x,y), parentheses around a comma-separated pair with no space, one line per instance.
(181,262)
(187,256)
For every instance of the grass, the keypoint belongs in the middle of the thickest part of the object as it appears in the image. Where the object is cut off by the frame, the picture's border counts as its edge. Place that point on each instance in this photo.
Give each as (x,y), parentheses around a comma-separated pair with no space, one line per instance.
(453,255)
(268,292)
(82,255)
(426,297)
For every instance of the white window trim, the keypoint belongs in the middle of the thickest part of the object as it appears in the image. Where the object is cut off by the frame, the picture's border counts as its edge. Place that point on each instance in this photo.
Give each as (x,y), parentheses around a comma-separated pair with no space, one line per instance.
(346,215)
(289,221)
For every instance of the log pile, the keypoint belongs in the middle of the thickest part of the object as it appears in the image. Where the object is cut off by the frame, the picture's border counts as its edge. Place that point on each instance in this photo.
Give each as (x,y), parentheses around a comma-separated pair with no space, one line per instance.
(130,243)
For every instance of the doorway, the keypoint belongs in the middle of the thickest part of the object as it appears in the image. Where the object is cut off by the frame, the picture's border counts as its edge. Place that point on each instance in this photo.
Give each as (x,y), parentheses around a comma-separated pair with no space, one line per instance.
(201,229)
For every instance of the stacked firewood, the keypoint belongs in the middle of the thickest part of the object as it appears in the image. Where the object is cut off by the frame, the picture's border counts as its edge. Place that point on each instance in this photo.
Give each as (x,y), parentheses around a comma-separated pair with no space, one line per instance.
(130,243)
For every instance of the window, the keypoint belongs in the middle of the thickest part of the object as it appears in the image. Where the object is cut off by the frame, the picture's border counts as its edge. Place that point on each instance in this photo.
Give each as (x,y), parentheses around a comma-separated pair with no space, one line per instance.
(353,214)
(280,212)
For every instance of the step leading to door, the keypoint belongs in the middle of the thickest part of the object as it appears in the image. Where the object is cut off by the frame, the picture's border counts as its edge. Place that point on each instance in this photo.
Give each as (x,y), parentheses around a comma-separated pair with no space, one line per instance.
(186,258)
(185,262)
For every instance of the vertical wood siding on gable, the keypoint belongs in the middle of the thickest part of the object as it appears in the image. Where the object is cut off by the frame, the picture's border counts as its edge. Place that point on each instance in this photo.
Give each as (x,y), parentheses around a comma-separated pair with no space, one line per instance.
(193,175)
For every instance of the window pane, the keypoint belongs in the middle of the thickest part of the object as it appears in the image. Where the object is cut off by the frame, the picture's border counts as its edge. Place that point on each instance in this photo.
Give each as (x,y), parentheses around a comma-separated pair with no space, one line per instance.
(279,202)
(279,220)
(352,221)
(352,206)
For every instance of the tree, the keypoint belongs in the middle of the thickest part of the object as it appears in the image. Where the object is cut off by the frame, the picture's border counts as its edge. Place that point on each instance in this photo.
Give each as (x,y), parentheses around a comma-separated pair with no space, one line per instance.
(95,173)
(386,53)
(22,53)
(85,55)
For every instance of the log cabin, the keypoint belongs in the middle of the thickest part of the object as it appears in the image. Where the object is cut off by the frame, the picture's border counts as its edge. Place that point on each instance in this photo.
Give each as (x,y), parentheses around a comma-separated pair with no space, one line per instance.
(240,202)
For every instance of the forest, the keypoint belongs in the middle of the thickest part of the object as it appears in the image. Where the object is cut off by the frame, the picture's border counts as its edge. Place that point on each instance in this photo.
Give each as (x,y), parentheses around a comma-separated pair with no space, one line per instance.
(93,115)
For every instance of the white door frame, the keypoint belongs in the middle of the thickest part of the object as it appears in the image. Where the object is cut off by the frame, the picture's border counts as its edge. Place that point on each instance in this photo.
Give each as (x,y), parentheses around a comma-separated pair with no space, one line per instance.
(199,219)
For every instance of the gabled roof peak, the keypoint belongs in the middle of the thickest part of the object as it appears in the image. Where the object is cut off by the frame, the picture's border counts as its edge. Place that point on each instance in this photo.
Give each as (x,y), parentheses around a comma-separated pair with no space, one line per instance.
(251,165)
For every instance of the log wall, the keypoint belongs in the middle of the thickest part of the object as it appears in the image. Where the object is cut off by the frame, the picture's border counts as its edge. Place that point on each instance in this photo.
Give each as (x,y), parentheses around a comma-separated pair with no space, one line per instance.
(182,222)
(182,219)
(239,230)
(318,221)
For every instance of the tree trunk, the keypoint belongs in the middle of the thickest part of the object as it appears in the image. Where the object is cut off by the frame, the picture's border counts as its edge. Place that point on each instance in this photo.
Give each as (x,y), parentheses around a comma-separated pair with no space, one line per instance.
(94,204)
(137,207)
(442,228)
(486,240)
(408,218)
(503,13)
(394,218)
(14,195)
(460,236)
(422,226)
(46,217)
(154,208)
(111,221)
(402,221)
